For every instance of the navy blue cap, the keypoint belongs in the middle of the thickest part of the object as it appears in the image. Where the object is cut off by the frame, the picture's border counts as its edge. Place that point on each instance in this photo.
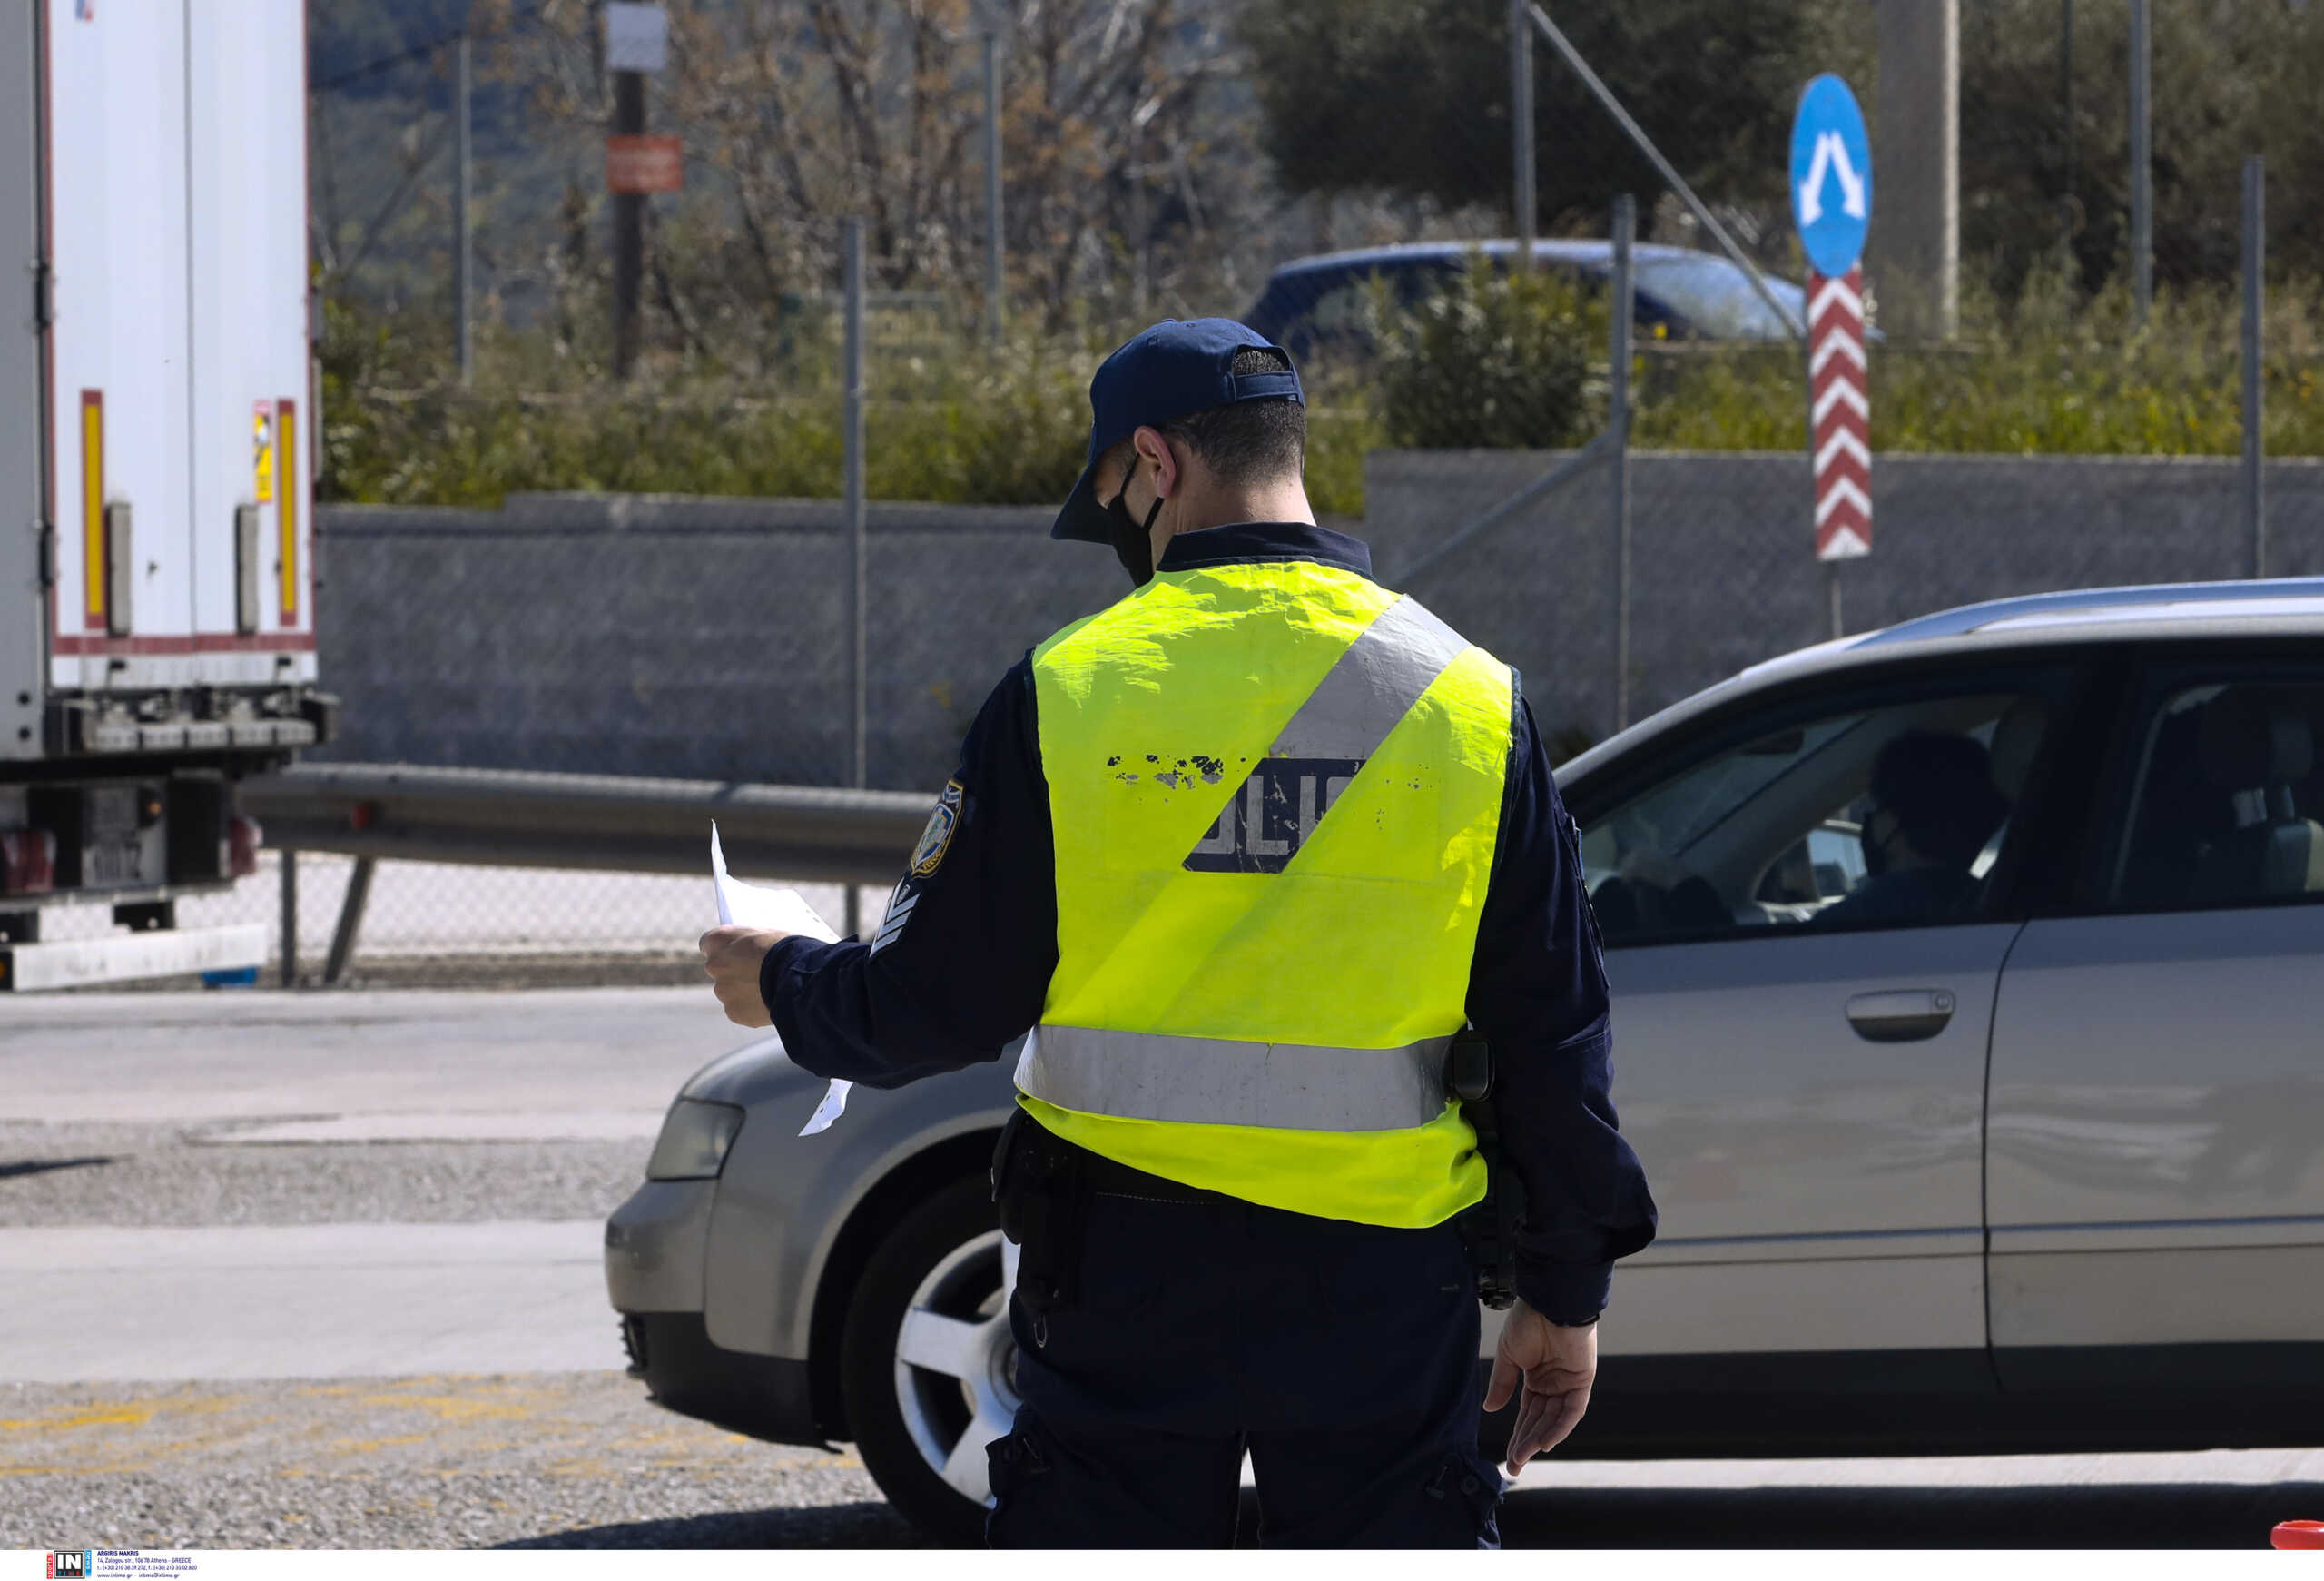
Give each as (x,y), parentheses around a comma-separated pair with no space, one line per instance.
(1174,369)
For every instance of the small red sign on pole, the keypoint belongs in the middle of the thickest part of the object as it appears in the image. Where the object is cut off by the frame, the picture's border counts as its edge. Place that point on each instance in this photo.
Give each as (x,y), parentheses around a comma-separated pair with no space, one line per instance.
(653,164)
(1839,415)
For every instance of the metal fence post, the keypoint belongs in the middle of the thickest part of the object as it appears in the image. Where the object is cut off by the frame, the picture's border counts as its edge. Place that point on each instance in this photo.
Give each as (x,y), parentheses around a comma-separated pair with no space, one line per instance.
(463,286)
(2065,127)
(992,242)
(2255,390)
(350,919)
(2142,159)
(1520,129)
(852,267)
(289,876)
(1141,255)
(1618,424)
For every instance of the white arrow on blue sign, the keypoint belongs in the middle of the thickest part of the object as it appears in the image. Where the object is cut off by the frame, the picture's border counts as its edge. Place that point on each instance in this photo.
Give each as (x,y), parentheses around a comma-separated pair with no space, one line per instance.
(1831,175)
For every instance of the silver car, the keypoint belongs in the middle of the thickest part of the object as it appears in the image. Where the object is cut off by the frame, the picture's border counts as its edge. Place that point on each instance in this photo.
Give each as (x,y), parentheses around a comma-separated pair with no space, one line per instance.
(2038,1165)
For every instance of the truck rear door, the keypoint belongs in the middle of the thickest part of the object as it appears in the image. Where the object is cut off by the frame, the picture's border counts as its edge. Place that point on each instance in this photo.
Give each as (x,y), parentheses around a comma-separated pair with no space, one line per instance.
(175,156)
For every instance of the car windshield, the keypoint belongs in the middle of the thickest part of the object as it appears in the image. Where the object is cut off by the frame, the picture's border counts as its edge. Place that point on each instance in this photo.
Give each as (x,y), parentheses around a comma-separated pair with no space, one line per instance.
(1673,816)
(1716,297)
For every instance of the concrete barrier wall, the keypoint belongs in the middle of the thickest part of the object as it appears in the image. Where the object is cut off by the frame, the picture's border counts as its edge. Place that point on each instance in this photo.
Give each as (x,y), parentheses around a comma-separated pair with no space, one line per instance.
(704,639)
(699,638)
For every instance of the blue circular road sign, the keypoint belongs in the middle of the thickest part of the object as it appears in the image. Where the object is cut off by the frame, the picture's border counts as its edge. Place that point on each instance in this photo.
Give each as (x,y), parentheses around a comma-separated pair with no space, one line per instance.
(1831,175)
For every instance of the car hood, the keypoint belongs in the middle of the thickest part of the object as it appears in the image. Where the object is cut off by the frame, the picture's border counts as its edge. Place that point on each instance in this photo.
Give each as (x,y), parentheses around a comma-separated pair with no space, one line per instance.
(751,1075)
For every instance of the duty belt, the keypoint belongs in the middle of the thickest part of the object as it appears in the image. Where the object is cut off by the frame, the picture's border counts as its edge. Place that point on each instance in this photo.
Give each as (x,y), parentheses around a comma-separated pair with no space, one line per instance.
(1135,1075)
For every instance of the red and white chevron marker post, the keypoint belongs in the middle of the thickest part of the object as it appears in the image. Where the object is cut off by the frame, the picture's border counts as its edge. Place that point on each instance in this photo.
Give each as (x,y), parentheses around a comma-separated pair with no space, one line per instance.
(1839,415)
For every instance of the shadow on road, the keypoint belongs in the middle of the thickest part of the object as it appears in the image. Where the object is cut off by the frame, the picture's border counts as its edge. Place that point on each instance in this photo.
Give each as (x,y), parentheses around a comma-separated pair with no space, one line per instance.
(833,1525)
(2187,1515)
(22,1167)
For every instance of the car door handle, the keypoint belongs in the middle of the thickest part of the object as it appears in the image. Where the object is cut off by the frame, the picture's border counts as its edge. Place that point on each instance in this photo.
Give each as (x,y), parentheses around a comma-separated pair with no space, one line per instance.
(1900,1015)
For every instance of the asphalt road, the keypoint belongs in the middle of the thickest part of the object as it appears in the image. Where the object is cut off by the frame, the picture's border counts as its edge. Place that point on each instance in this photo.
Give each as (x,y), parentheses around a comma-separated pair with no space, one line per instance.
(320,1270)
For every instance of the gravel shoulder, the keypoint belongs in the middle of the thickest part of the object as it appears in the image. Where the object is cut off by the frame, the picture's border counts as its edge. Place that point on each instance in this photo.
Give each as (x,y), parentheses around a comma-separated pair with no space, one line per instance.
(553,1459)
(148,1175)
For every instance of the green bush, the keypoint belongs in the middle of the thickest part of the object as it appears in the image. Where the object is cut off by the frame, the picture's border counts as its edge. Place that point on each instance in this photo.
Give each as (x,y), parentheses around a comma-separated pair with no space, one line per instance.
(962,424)
(2049,373)
(1494,361)
(976,427)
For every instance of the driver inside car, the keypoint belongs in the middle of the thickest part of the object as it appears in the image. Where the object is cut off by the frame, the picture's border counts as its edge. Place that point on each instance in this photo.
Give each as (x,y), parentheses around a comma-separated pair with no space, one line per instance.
(1933,806)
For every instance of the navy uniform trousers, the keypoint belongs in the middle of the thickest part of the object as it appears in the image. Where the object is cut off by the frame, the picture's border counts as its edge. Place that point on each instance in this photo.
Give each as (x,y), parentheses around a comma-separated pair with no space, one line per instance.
(1342,1356)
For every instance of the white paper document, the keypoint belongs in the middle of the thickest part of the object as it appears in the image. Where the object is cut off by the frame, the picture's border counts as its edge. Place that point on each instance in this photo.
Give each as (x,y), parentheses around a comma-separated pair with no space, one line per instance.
(752,905)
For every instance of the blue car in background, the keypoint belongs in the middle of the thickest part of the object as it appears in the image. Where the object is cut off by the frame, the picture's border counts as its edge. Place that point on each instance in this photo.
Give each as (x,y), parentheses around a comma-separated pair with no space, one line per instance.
(1318,303)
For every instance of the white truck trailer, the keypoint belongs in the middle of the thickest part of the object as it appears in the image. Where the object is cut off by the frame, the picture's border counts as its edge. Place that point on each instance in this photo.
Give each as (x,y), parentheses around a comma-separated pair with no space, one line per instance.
(157,442)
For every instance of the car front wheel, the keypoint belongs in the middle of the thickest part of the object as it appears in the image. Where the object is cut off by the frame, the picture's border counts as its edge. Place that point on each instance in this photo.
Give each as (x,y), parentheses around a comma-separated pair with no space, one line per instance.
(927,1362)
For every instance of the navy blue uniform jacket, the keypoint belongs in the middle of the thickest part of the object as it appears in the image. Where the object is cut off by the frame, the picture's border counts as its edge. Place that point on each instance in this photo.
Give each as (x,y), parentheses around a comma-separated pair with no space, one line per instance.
(961,963)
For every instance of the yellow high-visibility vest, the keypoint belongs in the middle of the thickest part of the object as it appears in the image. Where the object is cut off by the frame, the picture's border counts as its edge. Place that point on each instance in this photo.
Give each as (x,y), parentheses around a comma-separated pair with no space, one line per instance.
(1276,789)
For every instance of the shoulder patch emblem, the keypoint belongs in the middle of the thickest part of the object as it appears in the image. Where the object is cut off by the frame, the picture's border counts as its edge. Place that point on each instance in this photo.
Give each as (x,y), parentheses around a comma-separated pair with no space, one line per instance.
(937,838)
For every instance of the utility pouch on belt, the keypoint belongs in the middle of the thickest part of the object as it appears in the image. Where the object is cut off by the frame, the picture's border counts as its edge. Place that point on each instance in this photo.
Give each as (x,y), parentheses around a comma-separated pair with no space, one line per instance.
(1489,1229)
(1038,1183)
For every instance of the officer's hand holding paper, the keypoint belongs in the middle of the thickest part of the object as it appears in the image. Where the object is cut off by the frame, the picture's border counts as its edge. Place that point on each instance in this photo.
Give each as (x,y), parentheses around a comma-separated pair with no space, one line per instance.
(752,921)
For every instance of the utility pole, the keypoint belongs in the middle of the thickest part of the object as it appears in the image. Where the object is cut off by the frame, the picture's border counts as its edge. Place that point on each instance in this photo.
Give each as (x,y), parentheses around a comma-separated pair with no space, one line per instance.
(2255,301)
(1916,247)
(629,226)
(463,245)
(1521,129)
(992,233)
(636,41)
(851,464)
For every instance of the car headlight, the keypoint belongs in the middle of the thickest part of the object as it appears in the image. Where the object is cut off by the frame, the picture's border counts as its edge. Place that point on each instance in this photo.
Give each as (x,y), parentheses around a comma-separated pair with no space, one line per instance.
(694,1140)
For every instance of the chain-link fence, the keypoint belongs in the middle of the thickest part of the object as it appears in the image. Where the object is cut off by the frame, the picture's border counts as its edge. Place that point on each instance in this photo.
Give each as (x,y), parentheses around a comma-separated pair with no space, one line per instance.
(451,926)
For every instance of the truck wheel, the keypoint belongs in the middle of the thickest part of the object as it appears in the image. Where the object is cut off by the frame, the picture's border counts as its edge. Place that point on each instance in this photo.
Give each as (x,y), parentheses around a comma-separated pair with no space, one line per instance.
(927,1361)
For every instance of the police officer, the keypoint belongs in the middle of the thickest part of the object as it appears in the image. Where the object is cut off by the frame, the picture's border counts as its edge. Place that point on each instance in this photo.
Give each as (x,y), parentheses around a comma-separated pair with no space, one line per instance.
(1246,850)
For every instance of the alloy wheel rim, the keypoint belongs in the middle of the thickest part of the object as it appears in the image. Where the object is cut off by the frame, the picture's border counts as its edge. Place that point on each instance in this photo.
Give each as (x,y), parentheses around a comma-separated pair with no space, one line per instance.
(955,1360)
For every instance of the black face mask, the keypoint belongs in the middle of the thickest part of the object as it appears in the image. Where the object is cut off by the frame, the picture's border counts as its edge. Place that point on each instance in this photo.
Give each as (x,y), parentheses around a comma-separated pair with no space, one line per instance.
(1133,544)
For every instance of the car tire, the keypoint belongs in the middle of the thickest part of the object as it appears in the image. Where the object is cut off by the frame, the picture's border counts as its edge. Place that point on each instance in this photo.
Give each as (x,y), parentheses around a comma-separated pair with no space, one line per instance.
(926,1359)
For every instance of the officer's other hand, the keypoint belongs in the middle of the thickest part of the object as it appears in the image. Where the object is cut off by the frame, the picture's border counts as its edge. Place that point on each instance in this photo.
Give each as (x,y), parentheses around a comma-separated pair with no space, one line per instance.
(732,956)
(1557,1366)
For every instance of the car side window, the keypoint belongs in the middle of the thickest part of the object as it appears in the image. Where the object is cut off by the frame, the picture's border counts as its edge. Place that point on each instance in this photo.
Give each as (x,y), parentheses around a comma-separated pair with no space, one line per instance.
(2225,807)
(1888,815)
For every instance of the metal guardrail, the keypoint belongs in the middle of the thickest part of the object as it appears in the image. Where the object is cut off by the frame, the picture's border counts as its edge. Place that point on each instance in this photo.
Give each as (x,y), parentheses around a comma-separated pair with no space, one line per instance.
(506,818)
(501,817)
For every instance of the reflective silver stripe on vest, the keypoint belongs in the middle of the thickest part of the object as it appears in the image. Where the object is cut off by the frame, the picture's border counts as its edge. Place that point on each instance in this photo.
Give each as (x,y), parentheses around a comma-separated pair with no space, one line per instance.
(1373,687)
(1137,1075)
